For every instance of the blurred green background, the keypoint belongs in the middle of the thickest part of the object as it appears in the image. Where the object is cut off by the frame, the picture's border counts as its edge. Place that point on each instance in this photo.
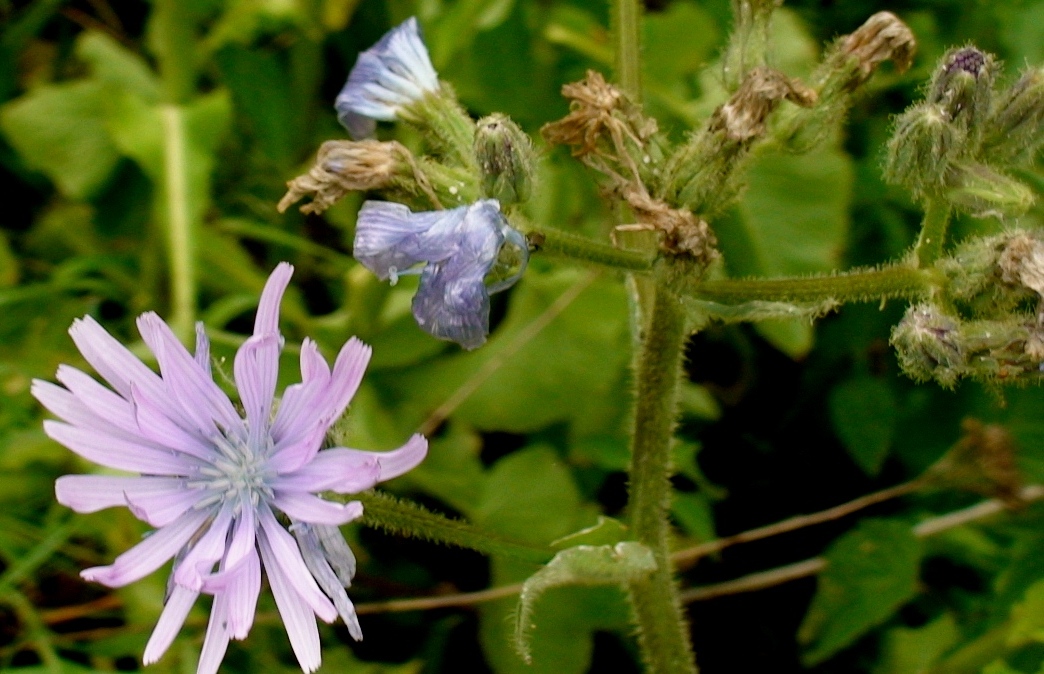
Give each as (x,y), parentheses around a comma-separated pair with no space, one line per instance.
(530,432)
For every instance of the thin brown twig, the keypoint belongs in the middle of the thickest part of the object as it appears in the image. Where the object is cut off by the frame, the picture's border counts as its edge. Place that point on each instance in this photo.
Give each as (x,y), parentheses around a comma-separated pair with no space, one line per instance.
(749,583)
(810,567)
(689,556)
(497,361)
(62,614)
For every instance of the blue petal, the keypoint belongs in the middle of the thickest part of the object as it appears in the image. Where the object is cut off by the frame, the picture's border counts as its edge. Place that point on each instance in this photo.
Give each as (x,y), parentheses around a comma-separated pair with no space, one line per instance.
(394,72)
(390,239)
(452,301)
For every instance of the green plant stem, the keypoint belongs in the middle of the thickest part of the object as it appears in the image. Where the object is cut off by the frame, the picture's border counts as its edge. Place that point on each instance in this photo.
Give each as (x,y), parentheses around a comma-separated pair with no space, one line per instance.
(576,247)
(662,629)
(626,23)
(933,232)
(181,239)
(856,286)
(175,49)
(409,519)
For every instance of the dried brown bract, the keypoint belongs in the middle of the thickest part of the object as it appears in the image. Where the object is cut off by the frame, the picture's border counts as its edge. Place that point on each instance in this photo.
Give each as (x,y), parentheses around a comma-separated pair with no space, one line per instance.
(600,123)
(343,166)
(883,36)
(682,231)
(982,461)
(743,116)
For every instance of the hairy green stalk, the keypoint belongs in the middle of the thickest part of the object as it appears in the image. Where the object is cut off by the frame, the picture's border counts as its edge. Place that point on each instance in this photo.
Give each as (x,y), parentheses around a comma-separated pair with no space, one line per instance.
(384,511)
(566,244)
(866,285)
(930,243)
(663,632)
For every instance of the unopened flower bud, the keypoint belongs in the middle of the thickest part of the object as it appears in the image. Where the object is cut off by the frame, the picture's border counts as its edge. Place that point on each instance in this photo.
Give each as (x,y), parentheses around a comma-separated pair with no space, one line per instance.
(963,85)
(1014,130)
(922,147)
(505,157)
(983,192)
(926,342)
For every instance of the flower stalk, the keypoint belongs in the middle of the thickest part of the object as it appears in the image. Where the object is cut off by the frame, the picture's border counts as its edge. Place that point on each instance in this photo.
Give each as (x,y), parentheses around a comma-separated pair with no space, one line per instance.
(663,632)
(930,243)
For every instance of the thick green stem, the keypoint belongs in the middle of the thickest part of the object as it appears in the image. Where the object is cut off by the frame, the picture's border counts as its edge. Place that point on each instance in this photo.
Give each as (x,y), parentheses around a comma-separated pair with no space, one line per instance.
(933,232)
(626,22)
(175,48)
(386,512)
(576,247)
(181,239)
(856,286)
(662,629)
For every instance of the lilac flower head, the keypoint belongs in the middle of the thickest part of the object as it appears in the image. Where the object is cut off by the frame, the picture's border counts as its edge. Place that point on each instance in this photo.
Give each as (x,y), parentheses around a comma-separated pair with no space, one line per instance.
(394,72)
(461,250)
(214,483)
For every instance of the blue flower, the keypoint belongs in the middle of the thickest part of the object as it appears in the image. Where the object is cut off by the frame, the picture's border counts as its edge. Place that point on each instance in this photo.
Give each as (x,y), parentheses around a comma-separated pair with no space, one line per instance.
(393,73)
(460,249)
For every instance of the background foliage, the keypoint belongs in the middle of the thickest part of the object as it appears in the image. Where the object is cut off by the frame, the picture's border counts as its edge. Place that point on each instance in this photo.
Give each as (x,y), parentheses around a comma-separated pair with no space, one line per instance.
(530,432)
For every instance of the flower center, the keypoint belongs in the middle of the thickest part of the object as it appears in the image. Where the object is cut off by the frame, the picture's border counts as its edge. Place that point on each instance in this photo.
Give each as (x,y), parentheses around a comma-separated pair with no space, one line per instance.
(238,474)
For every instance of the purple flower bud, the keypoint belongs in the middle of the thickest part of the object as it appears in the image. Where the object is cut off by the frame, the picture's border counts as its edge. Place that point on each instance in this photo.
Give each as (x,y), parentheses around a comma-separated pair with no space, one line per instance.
(393,73)
(459,249)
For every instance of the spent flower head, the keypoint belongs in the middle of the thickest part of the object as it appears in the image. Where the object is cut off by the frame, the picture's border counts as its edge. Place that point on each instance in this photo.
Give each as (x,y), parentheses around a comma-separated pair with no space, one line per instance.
(461,249)
(393,73)
(218,487)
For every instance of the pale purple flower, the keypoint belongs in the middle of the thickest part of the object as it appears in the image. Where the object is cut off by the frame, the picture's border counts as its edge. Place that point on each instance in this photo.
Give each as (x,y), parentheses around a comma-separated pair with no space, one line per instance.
(458,248)
(216,485)
(394,72)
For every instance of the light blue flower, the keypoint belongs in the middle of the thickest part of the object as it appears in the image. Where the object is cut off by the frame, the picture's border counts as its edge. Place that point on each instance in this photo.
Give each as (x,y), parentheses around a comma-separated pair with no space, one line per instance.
(214,482)
(460,250)
(394,72)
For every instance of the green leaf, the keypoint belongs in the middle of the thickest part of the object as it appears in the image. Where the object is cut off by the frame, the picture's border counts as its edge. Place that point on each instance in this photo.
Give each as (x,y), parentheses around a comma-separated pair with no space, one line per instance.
(865,413)
(693,512)
(529,496)
(1027,617)
(582,565)
(114,64)
(60,130)
(604,532)
(260,88)
(792,219)
(871,572)
(913,650)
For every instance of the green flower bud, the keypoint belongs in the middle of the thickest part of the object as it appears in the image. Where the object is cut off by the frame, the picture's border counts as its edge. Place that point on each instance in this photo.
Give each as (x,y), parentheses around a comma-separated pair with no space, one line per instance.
(505,157)
(983,192)
(927,345)
(984,275)
(922,147)
(1013,131)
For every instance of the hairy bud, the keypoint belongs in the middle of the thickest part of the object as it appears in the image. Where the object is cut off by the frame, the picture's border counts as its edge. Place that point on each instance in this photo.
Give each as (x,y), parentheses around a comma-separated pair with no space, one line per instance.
(963,85)
(982,192)
(505,157)
(1014,130)
(922,148)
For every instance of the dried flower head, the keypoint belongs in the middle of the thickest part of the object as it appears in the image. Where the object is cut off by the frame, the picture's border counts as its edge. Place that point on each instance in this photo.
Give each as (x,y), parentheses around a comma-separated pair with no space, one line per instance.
(883,36)
(744,116)
(215,484)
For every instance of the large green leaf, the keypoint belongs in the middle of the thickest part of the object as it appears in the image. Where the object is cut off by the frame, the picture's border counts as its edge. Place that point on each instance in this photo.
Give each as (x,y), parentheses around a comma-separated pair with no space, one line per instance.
(59,130)
(865,413)
(871,572)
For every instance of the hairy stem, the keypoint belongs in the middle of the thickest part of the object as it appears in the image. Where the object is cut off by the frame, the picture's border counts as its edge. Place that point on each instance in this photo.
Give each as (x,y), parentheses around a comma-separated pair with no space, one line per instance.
(930,243)
(386,512)
(856,286)
(576,247)
(662,629)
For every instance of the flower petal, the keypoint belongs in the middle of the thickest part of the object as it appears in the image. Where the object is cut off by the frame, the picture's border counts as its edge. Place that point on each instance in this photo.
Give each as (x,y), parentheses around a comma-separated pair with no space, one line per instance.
(205,552)
(267,320)
(297,615)
(113,452)
(243,591)
(91,493)
(160,508)
(113,361)
(314,510)
(315,559)
(215,643)
(67,407)
(256,369)
(390,239)
(202,355)
(175,610)
(157,427)
(150,554)
(107,405)
(288,558)
(403,459)
(345,471)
